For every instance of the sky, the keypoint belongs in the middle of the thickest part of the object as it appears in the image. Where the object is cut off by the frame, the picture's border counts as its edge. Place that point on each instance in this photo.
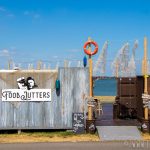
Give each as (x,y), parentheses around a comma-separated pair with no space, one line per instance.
(55,30)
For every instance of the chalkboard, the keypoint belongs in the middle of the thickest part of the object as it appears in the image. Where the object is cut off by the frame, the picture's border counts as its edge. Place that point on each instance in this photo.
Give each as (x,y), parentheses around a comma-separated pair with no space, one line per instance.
(78,123)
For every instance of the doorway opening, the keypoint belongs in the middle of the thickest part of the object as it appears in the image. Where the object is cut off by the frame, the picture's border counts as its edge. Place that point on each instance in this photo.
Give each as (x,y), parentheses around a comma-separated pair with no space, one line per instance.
(105,91)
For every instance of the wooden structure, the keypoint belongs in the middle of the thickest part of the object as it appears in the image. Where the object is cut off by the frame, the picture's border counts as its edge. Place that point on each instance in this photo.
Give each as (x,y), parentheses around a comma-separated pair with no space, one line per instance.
(145,73)
(89,52)
(129,102)
(56,114)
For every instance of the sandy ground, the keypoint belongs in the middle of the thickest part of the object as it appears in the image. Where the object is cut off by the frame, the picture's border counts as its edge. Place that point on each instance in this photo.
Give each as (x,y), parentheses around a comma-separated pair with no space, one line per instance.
(27,138)
(45,137)
(146,137)
(109,99)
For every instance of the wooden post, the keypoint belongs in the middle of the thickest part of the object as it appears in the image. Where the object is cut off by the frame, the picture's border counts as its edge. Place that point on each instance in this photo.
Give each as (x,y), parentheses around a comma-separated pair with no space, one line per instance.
(146,113)
(19,131)
(32,66)
(9,64)
(29,67)
(117,68)
(66,63)
(90,76)
(44,66)
(39,65)
(49,66)
(144,69)
(91,83)
(145,66)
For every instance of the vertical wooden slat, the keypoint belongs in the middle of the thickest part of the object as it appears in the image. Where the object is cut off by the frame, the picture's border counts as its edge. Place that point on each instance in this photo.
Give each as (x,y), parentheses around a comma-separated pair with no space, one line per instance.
(45,115)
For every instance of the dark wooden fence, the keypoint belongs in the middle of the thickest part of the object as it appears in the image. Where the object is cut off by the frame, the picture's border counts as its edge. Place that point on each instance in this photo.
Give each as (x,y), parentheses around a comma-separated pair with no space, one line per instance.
(129,97)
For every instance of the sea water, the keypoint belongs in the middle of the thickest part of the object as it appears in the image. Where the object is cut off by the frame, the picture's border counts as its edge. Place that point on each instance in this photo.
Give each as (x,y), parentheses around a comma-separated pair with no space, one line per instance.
(105,87)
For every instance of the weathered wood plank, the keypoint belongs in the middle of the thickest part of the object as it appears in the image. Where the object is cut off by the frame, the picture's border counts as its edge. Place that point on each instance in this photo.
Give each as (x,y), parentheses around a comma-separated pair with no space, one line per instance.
(56,114)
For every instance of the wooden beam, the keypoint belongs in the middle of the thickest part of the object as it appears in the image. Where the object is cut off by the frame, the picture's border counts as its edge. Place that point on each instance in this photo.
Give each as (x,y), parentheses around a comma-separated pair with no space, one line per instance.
(145,69)
(90,76)
(90,108)
(29,71)
(39,65)
(145,66)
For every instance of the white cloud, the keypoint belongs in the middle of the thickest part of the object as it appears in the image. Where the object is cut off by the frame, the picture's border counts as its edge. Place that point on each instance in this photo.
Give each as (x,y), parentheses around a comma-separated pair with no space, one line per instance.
(74,50)
(6,12)
(4,52)
(26,13)
(55,56)
(2,9)
(36,16)
(10,15)
(13,48)
(31,14)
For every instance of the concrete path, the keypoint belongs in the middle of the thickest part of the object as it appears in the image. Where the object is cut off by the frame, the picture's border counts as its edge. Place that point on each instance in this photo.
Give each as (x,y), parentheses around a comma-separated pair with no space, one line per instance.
(109,133)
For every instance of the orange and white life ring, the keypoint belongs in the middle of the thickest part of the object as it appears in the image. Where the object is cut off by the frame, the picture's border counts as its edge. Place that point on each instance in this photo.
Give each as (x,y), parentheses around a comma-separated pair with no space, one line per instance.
(88,52)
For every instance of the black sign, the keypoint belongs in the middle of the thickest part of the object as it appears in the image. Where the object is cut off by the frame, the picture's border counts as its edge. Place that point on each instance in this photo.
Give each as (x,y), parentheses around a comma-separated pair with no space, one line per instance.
(78,123)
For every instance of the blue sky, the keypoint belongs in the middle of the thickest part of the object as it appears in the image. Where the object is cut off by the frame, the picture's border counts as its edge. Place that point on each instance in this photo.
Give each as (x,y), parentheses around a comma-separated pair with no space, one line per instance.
(54,30)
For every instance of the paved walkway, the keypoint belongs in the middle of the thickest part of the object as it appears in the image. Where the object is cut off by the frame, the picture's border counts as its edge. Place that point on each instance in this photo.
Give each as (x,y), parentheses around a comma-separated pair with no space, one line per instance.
(126,145)
(110,129)
(111,133)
